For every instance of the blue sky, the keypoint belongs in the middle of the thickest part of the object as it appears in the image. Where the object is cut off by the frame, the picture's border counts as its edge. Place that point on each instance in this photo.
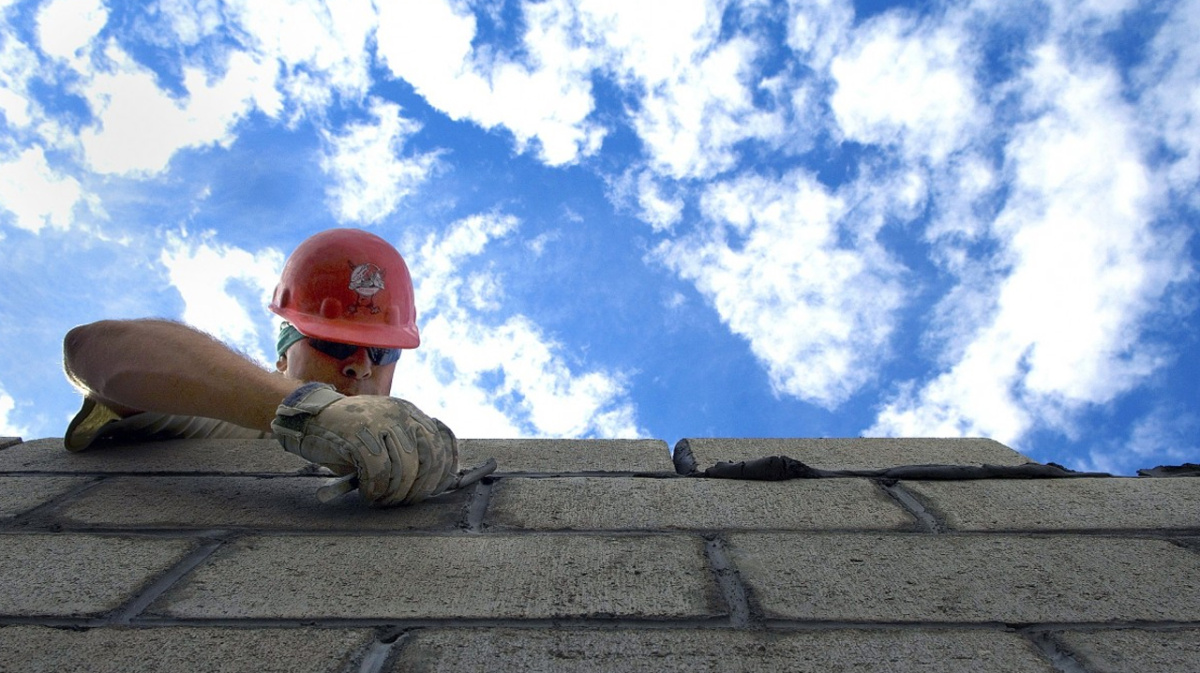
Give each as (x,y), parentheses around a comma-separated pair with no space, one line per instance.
(673,219)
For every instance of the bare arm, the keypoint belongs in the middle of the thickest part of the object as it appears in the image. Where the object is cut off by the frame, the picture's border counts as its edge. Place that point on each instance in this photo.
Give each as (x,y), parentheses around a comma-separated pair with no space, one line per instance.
(167,367)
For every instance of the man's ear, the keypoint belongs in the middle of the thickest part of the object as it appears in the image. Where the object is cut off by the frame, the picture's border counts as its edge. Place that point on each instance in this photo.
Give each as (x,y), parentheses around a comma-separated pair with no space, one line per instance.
(281,364)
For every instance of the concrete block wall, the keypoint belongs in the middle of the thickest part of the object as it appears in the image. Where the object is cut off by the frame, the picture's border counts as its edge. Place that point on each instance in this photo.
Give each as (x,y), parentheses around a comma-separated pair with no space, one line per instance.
(591,555)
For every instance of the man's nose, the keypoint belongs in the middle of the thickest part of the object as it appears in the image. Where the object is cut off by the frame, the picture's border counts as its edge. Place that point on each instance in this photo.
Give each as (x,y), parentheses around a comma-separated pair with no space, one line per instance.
(357,365)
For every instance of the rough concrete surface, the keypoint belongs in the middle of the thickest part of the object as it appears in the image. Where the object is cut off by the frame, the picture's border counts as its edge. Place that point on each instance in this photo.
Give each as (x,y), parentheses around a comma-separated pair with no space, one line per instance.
(583,503)
(119,650)
(1130,650)
(442,577)
(947,578)
(857,453)
(245,502)
(698,651)
(20,494)
(73,575)
(225,456)
(569,455)
(1050,504)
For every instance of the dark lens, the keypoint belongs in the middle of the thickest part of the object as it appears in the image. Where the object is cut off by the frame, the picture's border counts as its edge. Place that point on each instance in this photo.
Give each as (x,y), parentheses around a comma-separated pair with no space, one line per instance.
(335,350)
(383,356)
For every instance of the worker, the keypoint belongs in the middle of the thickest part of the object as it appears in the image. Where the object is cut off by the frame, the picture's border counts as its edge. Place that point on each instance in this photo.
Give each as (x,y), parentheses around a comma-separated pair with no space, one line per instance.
(346,299)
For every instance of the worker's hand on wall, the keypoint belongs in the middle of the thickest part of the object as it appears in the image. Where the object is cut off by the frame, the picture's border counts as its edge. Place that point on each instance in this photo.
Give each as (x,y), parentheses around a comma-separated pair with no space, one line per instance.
(398,453)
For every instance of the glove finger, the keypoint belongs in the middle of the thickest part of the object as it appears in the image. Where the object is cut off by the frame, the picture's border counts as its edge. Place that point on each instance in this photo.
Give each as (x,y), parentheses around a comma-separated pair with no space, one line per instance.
(337,488)
(404,469)
(448,438)
(450,476)
(341,469)
(319,449)
(374,466)
(433,461)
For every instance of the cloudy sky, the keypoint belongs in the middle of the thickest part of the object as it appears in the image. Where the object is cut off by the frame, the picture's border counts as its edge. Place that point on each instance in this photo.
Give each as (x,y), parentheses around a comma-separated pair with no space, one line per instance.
(816,218)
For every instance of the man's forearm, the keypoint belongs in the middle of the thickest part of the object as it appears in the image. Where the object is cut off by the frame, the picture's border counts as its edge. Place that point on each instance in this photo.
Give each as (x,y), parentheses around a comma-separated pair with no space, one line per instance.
(167,367)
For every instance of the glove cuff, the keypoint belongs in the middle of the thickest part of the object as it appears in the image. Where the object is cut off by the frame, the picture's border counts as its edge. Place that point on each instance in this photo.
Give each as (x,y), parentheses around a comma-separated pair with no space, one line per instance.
(302,404)
(311,397)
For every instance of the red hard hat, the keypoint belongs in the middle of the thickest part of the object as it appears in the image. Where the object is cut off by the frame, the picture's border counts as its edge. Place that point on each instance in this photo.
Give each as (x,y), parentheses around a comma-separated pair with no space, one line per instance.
(351,286)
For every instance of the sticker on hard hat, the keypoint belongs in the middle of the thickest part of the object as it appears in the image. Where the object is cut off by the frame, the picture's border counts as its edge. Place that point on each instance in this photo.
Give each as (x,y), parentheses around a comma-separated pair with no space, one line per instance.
(365,280)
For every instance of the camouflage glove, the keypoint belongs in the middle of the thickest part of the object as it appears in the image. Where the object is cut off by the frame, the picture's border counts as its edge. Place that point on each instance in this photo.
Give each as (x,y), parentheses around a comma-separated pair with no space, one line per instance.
(398,454)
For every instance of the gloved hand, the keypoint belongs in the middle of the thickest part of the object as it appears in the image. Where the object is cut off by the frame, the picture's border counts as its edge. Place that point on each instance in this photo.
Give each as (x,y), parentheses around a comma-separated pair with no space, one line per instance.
(399,454)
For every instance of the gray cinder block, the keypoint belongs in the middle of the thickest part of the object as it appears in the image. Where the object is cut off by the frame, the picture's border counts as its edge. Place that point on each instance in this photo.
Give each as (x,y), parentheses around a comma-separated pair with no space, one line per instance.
(20,494)
(117,650)
(223,456)
(445,577)
(580,503)
(74,575)
(950,578)
(1120,651)
(1064,504)
(245,502)
(691,651)
(569,455)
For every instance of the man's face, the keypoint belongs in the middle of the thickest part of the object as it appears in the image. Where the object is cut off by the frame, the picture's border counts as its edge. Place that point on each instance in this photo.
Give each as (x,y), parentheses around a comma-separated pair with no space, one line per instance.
(354,375)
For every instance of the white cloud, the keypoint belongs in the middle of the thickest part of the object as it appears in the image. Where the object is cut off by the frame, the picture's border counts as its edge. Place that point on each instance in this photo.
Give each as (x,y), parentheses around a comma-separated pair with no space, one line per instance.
(900,83)
(37,195)
(187,22)
(537,244)
(818,28)
(546,99)
(8,425)
(225,289)
(696,92)
(662,212)
(1170,103)
(1081,265)
(18,64)
(321,46)
(140,126)
(787,267)
(67,27)
(497,378)
(369,176)
(1165,436)
(691,124)
(653,41)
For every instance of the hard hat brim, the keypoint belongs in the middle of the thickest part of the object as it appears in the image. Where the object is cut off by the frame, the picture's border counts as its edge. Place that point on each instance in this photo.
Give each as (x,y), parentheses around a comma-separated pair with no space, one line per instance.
(358,334)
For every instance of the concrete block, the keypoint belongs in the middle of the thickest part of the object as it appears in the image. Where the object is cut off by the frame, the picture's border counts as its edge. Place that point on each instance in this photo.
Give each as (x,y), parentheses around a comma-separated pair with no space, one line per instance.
(1125,650)
(34,649)
(70,575)
(21,494)
(569,455)
(237,502)
(857,453)
(950,578)
(220,456)
(444,577)
(1063,504)
(605,503)
(699,651)
(6,442)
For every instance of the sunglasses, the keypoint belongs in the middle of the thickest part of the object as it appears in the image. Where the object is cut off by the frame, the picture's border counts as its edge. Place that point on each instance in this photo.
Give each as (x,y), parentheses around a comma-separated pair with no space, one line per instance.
(341,351)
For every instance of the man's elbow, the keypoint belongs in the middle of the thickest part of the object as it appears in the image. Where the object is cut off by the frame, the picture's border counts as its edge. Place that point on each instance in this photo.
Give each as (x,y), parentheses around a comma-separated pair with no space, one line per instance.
(79,352)
(75,343)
